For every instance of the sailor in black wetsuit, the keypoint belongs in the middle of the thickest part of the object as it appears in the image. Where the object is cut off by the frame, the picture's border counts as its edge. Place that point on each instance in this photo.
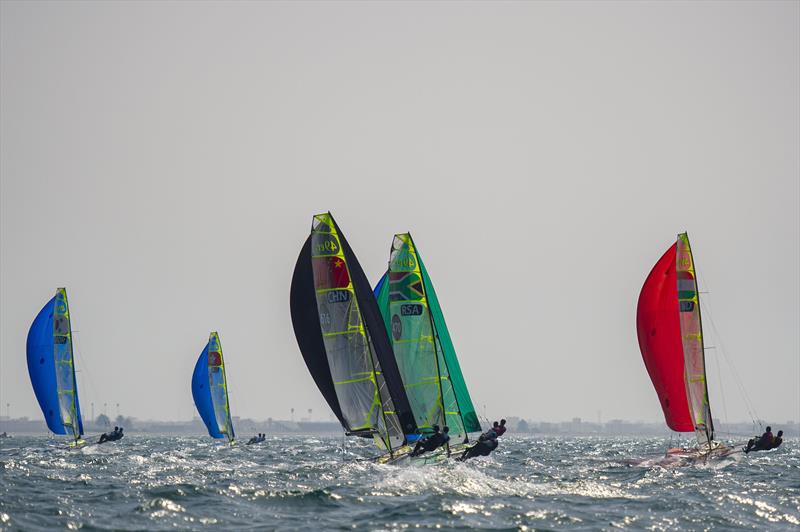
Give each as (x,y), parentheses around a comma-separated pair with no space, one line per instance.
(257,439)
(763,443)
(484,447)
(108,436)
(432,442)
(778,440)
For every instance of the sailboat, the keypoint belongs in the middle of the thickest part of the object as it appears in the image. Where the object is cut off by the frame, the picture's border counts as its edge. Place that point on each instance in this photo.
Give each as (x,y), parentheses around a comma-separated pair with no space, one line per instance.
(210,391)
(51,367)
(422,346)
(670,332)
(342,338)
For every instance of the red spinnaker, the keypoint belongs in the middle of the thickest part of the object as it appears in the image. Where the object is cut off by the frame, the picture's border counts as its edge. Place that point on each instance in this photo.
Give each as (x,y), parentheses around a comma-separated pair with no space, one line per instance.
(659,330)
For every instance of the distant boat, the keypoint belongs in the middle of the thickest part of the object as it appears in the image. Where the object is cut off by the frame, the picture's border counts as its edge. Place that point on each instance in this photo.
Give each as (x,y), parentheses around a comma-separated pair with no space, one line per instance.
(670,335)
(51,367)
(422,346)
(210,391)
(343,340)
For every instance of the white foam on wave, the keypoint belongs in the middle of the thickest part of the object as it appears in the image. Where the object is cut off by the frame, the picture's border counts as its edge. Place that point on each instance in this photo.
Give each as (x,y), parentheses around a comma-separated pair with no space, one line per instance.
(468,480)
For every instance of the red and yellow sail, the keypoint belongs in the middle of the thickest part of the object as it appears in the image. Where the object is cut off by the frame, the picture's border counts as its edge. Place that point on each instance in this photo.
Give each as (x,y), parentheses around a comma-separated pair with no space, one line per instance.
(671,340)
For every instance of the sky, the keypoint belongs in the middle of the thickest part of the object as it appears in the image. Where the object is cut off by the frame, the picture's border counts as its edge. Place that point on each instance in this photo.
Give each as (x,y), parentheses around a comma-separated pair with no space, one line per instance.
(163,162)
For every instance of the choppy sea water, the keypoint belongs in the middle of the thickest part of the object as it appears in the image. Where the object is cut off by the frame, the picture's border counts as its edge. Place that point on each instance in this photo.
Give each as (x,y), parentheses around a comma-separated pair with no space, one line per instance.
(159,483)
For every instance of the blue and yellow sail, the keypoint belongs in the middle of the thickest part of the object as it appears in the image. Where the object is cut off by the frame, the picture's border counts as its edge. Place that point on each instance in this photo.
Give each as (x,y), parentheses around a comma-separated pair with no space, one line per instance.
(51,367)
(210,390)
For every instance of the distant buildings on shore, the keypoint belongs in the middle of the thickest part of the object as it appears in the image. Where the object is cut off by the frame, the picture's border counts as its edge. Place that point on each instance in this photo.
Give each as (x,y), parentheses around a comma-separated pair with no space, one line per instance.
(245,426)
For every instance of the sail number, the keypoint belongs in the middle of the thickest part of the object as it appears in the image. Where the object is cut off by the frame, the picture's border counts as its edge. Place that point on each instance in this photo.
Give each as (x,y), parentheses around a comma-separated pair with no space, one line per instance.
(326,245)
(411,310)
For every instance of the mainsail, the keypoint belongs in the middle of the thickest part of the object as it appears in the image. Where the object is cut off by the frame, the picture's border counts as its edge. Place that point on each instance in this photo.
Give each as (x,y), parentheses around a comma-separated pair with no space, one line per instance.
(344,343)
(422,346)
(210,390)
(52,368)
(671,341)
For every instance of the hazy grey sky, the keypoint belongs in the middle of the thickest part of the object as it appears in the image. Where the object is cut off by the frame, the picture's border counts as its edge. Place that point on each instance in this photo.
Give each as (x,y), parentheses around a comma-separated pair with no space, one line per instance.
(163,162)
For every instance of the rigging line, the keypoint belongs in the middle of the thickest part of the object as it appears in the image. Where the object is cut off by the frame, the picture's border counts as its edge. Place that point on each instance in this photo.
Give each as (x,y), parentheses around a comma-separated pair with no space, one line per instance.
(718,337)
(721,388)
(84,367)
(737,378)
(739,383)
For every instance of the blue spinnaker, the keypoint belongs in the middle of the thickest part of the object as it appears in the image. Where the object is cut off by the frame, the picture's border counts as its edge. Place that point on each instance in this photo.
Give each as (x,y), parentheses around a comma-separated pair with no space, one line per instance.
(51,367)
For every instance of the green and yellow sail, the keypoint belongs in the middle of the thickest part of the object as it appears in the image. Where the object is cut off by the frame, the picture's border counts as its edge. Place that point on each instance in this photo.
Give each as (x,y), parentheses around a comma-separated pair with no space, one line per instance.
(422,345)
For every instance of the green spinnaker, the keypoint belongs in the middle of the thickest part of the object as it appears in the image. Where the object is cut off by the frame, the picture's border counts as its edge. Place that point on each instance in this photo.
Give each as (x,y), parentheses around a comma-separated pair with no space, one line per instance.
(422,345)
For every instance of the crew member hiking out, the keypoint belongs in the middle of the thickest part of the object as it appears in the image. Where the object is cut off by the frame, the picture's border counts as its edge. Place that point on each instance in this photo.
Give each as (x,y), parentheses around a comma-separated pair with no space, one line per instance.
(778,440)
(484,447)
(432,442)
(114,435)
(761,444)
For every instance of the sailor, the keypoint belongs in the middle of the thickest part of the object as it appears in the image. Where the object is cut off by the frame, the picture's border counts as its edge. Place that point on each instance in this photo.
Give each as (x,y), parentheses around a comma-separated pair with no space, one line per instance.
(763,443)
(108,436)
(483,447)
(492,434)
(262,437)
(432,442)
(501,428)
(488,447)
(254,439)
(119,435)
(778,440)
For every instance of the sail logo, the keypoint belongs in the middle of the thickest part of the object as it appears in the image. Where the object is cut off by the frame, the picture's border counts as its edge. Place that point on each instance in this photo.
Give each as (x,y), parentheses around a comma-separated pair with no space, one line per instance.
(325,320)
(405,286)
(411,310)
(397,327)
(338,296)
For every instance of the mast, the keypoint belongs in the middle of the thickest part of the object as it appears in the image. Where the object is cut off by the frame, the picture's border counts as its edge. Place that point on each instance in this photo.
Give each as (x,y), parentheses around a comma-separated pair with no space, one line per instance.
(436,350)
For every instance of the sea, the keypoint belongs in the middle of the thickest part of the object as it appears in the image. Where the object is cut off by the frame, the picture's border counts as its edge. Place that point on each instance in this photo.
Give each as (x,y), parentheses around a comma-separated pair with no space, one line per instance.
(146,482)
